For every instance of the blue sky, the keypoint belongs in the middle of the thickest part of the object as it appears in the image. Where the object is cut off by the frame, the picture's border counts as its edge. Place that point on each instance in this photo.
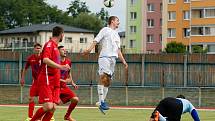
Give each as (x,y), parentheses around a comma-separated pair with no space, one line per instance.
(119,9)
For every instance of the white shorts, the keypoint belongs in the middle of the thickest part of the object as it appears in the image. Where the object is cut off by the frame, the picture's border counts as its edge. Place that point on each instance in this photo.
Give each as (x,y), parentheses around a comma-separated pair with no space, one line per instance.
(106,65)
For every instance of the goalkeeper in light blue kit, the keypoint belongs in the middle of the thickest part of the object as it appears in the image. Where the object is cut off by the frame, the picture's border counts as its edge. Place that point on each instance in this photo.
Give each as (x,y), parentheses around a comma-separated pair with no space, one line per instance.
(171,109)
(110,51)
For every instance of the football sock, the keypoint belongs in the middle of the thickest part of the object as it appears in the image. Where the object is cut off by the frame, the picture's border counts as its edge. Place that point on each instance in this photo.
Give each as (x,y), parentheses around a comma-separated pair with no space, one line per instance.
(70,109)
(105,91)
(40,112)
(48,116)
(31,109)
(100,89)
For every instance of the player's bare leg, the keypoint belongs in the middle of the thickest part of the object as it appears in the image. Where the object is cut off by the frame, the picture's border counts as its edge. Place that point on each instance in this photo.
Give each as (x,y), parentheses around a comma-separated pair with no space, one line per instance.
(74,102)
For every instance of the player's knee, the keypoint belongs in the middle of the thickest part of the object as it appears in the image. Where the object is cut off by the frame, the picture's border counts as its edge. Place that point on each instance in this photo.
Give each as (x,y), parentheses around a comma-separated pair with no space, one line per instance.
(75,100)
(31,99)
(48,106)
(105,80)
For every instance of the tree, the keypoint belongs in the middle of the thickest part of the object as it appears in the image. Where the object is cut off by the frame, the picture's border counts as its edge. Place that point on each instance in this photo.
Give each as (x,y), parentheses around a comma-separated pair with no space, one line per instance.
(16,13)
(77,7)
(103,15)
(198,49)
(88,21)
(174,47)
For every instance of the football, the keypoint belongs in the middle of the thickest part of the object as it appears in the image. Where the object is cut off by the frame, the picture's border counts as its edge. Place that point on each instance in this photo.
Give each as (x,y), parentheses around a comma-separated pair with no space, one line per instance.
(109,3)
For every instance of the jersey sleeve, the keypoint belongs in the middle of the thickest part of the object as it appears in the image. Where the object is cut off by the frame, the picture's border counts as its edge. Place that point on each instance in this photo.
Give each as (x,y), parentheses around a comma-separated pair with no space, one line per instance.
(100,35)
(27,63)
(191,107)
(47,51)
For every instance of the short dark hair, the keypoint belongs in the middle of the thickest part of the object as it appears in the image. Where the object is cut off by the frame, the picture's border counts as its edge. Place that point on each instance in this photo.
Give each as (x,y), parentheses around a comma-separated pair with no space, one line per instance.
(56,31)
(37,44)
(59,47)
(111,18)
(181,96)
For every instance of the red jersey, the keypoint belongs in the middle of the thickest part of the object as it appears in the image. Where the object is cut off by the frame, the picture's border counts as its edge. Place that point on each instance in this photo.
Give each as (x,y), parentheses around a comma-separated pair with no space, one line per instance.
(49,75)
(33,61)
(63,73)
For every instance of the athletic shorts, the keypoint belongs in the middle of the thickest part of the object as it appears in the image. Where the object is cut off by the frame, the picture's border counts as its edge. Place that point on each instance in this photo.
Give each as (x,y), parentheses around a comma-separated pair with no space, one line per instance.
(49,93)
(106,65)
(66,94)
(34,90)
(171,108)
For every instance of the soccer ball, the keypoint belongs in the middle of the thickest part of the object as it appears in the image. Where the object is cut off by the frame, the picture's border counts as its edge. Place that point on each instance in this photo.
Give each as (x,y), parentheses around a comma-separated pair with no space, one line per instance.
(109,3)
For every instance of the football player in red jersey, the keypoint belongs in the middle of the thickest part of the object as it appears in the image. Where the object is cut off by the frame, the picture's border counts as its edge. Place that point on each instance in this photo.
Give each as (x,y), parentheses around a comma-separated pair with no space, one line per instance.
(34,62)
(49,76)
(66,94)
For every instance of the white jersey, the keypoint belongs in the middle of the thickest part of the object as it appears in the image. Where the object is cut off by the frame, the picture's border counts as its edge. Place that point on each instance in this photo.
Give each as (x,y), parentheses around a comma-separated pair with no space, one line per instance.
(187,106)
(110,42)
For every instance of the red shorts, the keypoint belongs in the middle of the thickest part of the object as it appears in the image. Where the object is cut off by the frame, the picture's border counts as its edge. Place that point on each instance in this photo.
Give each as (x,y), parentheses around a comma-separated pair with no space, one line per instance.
(66,94)
(34,91)
(49,93)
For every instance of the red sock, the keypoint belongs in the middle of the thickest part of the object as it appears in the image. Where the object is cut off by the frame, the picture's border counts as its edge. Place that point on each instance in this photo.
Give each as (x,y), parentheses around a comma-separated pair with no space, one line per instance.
(31,109)
(70,109)
(48,116)
(38,115)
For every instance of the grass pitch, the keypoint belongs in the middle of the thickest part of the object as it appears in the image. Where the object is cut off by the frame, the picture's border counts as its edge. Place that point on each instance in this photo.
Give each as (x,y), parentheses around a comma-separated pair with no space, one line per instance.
(93,114)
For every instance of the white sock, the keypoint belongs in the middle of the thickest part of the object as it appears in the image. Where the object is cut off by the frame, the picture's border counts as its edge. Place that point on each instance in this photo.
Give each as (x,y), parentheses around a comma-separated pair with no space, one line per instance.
(100,89)
(161,118)
(105,90)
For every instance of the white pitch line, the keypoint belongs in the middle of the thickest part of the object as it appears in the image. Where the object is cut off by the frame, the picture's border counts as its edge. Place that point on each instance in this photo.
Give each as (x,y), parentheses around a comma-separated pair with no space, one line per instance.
(94,107)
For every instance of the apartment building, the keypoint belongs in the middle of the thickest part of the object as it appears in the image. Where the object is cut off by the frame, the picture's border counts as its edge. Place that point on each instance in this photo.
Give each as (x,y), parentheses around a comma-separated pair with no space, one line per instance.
(191,22)
(143,27)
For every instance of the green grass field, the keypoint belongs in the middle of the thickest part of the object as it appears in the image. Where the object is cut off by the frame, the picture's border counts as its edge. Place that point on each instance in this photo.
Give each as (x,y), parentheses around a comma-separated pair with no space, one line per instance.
(20,113)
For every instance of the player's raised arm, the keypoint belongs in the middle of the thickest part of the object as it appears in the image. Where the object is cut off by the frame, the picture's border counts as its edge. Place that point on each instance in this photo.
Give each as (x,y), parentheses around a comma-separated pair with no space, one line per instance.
(88,50)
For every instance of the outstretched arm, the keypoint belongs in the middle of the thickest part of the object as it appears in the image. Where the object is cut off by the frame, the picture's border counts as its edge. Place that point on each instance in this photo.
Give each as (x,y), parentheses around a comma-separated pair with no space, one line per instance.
(90,48)
(195,116)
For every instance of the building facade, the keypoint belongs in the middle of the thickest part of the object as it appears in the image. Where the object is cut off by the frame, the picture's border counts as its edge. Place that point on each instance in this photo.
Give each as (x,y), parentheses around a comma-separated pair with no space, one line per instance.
(23,38)
(191,22)
(144,24)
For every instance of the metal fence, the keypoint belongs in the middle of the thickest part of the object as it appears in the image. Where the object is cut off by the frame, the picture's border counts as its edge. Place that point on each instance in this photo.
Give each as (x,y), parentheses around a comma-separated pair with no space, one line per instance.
(150,78)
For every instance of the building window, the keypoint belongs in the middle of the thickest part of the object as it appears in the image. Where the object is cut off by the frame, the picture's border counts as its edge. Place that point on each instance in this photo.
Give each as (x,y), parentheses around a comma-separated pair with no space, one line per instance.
(171,15)
(133,15)
(150,22)
(210,31)
(132,44)
(133,29)
(186,32)
(150,38)
(161,7)
(160,36)
(197,31)
(210,13)
(161,22)
(186,15)
(68,39)
(171,1)
(186,1)
(133,2)
(83,40)
(172,32)
(198,13)
(150,7)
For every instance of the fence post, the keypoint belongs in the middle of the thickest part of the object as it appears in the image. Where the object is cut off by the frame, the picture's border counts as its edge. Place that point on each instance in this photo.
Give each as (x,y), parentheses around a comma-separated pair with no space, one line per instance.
(185,70)
(91,92)
(126,95)
(200,96)
(20,74)
(143,70)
